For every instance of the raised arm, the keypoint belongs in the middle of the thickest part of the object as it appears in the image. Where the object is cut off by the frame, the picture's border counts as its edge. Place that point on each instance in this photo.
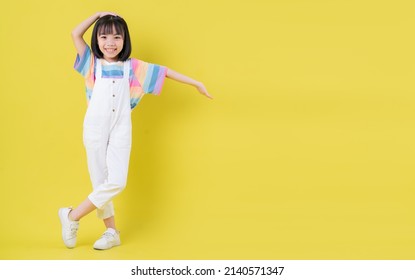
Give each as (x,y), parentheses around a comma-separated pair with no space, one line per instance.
(79,31)
(186,80)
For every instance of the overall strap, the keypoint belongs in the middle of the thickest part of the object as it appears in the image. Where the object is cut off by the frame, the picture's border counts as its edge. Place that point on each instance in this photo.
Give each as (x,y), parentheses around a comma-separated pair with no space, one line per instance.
(127,67)
(98,69)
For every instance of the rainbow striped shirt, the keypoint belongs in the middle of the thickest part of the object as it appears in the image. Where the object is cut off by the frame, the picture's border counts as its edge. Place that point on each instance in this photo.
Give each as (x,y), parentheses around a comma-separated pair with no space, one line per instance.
(144,77)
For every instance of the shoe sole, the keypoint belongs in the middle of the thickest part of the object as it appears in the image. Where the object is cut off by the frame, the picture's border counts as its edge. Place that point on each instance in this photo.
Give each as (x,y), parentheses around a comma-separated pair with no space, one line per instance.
(101,249)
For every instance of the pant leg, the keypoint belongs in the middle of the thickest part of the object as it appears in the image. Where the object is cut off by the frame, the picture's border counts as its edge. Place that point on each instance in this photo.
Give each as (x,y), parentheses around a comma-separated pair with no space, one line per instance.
(117,158)
(95,140)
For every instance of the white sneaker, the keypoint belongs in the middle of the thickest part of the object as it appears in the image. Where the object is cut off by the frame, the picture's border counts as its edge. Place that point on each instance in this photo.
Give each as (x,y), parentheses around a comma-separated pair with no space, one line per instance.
(109,239)
(69,227)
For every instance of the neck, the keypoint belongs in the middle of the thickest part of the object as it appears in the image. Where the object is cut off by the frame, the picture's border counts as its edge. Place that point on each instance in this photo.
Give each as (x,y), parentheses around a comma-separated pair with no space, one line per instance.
(108,59)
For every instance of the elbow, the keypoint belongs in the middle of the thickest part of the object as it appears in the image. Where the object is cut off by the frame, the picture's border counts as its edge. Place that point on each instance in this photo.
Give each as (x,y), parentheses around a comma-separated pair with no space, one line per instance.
(75,34)
(171,74)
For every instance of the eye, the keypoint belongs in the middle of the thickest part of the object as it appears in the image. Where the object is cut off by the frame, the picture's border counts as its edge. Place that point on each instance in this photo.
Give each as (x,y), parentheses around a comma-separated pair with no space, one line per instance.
(118,37)
(103,37)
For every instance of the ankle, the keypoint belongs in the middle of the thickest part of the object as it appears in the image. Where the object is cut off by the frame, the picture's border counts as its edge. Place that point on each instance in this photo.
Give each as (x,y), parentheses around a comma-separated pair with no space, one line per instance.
(71,217)
(113,229)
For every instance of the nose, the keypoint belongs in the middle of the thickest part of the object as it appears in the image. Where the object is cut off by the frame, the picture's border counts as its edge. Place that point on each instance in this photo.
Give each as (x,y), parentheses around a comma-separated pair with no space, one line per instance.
(110,42)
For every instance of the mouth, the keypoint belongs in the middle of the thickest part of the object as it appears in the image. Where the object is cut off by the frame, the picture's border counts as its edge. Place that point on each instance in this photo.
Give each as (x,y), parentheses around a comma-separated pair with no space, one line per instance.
(110,50)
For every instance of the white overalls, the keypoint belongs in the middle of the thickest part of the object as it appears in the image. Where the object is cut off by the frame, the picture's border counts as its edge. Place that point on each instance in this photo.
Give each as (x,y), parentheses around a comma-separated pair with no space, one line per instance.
(107,138)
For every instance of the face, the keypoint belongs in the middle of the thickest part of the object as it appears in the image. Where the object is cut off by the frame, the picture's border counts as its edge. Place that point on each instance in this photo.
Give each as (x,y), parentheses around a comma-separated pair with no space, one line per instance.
(110,45)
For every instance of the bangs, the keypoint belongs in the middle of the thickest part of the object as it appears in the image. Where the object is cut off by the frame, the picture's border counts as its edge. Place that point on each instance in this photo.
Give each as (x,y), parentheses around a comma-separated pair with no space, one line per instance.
(109,28)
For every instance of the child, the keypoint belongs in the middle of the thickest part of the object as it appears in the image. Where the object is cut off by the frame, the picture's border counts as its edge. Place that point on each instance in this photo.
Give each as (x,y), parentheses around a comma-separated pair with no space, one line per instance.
(115,84)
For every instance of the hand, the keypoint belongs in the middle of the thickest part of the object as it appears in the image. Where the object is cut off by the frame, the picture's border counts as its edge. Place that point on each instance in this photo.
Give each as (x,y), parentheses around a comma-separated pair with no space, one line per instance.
(201,88)
(101,14)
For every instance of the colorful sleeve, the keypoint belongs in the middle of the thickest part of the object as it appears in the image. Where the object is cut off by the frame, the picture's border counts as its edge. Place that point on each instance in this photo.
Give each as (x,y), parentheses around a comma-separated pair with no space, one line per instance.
(147,77)
(85,64)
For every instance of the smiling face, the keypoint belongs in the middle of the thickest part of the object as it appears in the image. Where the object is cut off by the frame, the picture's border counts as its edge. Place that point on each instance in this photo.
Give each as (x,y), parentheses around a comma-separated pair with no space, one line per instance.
(110,39)
(110,44)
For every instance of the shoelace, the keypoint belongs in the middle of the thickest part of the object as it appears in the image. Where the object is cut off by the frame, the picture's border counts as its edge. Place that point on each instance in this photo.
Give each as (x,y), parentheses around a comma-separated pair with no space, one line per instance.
(108,235)
(74,228)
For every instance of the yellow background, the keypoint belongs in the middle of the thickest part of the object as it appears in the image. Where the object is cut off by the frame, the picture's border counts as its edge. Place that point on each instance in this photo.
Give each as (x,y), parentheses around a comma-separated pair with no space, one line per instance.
(306,152)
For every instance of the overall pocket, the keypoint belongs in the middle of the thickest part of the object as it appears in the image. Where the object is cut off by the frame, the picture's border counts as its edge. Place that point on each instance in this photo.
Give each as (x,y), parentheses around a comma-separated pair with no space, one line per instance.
(121,136)
(92,136)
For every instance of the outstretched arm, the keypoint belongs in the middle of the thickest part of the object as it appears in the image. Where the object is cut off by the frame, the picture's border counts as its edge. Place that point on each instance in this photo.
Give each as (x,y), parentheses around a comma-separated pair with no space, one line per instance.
(79,31)
(186,80)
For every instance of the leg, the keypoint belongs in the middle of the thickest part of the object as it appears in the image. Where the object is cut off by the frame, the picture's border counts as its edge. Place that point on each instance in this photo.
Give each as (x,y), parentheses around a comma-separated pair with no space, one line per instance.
(116,162)
(110,222)
(82,210)
(96,141)
(96,154)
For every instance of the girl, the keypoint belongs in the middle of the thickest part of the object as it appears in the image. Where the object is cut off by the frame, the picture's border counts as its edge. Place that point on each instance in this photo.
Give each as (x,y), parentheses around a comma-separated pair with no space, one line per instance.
(115,84)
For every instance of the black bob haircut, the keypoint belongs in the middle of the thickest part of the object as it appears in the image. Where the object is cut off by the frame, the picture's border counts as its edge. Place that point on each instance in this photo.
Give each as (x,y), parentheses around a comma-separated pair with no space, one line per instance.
(106,25)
